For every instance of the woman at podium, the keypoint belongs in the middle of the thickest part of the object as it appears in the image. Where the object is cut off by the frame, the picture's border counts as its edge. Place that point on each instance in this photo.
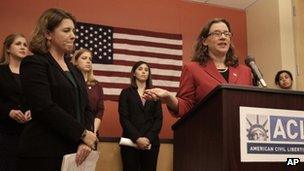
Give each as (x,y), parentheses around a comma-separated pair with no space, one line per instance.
(212,63)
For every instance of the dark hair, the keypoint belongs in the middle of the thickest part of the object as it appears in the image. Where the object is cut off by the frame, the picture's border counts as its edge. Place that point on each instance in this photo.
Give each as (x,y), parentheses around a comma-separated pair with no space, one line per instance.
(201,52)
(9,40)
(47,22)
(149,80)
(277,77)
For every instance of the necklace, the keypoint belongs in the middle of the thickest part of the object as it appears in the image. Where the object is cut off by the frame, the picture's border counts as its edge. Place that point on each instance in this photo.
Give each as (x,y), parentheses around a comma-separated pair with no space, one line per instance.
(222,70)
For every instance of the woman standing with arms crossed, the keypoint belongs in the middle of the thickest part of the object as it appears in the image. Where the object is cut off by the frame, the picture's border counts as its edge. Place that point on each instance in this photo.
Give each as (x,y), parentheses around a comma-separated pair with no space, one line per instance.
(62,121)
(13,112)
(141,121)
(82,59)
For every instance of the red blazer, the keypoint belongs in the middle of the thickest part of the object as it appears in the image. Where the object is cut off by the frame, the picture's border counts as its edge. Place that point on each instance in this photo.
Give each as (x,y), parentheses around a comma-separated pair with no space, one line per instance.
(197,81)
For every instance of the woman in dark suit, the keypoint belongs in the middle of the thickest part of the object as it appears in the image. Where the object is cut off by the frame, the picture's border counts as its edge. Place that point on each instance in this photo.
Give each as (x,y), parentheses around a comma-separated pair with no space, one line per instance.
(13,112)
(141,121)
(62,121)
(213,63)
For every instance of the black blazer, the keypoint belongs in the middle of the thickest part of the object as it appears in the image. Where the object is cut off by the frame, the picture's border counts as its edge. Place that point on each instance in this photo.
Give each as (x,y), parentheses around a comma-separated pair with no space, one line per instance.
(54,129)
(10,99)
(138,120)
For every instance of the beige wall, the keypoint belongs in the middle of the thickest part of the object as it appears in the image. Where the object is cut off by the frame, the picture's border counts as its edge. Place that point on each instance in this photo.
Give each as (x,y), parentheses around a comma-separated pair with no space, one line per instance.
(299,41)
(110,160)
(270,37)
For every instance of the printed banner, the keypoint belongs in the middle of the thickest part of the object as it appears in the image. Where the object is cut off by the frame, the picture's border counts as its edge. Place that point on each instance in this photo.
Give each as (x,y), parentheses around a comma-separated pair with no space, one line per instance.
(271,135)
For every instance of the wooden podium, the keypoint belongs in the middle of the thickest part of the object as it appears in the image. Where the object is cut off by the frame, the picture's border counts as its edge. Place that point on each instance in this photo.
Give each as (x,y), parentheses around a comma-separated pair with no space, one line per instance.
(207,138)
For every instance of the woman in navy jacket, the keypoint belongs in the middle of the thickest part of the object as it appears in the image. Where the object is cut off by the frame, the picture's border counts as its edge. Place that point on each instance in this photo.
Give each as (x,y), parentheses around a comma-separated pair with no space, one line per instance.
(62,121)
(13,111)
(141,121)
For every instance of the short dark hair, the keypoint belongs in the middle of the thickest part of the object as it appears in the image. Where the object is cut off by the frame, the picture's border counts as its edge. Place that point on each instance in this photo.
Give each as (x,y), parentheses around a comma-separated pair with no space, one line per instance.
(277,77)
(201,52)
(149,80)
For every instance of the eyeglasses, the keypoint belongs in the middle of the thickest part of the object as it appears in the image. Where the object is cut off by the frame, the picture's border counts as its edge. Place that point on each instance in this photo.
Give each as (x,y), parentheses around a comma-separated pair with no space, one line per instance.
(218,34)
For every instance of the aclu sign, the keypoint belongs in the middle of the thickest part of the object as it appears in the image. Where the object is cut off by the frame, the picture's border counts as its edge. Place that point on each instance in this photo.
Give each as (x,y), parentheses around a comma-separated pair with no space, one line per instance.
(271,134)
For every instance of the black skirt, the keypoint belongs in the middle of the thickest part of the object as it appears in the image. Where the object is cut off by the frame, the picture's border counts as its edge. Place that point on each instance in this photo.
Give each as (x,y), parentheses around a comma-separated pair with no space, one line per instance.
(8,151)
(39,164)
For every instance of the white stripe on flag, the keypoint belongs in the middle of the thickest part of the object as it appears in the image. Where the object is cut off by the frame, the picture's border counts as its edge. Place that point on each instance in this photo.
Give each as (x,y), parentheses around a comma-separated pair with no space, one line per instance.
(141,48)
(111,91)
(124,80)
(127,69)
(154,60)
(116,91)
(147,39)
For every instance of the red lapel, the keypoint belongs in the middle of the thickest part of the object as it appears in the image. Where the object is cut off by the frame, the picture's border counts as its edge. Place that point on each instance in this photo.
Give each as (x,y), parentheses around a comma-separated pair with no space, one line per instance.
(233,75)
(213,72)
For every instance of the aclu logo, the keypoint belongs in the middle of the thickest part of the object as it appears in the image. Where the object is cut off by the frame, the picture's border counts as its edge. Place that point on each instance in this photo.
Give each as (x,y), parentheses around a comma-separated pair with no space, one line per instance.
(287,128)
(292,161)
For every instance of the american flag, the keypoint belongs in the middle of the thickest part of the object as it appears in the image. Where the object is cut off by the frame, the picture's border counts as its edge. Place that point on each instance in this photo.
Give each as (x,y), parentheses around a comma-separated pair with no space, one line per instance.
(116,50)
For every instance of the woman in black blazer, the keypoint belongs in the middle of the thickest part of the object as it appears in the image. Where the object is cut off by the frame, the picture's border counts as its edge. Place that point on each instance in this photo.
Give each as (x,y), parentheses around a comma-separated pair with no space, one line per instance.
(62,121)
(141,121)
(13,112)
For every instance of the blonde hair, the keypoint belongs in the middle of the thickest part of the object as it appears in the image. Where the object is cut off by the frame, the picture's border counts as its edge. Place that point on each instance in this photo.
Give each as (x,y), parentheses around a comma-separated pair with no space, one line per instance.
(9,40)
(90,76)
(47,22)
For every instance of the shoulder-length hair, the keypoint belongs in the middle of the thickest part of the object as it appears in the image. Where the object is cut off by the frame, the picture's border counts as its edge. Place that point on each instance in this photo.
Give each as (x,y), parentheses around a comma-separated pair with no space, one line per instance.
(201,52)
(133,78)
(47,22)
(9,40)
(90,76)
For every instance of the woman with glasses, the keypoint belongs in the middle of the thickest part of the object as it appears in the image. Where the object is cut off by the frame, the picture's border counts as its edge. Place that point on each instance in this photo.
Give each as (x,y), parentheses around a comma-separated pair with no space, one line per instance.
(213,63)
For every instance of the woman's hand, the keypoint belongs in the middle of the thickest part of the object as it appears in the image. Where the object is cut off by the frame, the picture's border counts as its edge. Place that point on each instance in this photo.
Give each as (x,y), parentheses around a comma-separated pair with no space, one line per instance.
(164,95)
(156,94)
(143,143)
(90,139)
(18,116)
(83,152)
(28,115)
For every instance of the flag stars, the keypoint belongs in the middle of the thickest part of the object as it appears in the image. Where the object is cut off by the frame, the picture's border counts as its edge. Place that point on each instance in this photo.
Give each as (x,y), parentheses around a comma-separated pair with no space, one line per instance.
(86,31)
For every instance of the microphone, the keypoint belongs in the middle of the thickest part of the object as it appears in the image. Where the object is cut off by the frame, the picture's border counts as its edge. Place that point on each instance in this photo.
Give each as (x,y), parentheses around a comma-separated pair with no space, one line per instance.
(250,62)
